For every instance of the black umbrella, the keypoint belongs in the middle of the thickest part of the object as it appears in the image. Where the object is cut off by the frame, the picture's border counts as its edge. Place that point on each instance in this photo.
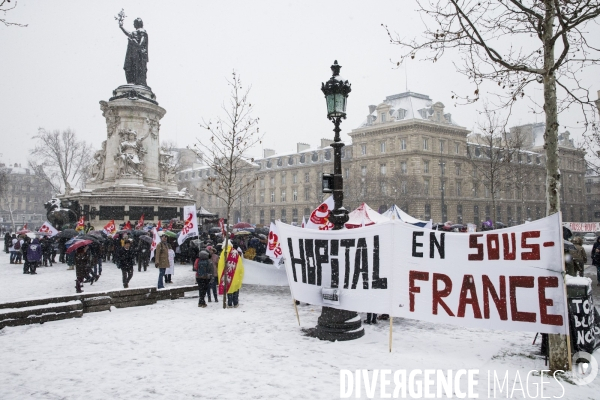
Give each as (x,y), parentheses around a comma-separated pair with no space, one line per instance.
(67,234)
(98,234)
(93,238)
(127,231)
(146,239)
(138,232)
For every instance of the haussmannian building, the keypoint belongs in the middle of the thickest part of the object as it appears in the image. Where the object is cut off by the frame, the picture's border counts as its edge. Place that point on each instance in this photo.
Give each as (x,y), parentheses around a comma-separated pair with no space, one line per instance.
(407,152)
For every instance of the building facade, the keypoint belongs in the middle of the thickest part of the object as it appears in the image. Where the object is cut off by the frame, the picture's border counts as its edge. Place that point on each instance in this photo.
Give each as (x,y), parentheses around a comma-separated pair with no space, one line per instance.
(411,153)
(22,197)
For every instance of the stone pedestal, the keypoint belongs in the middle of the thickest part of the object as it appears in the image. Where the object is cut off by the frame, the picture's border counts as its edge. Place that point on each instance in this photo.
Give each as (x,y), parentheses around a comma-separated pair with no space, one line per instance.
(131,175)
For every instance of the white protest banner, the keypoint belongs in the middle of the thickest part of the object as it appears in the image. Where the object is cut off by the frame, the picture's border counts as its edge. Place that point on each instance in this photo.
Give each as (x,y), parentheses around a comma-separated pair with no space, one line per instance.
(48,228)
(155,242)
(190,224)
(319,218)
(508,279)
(273,245)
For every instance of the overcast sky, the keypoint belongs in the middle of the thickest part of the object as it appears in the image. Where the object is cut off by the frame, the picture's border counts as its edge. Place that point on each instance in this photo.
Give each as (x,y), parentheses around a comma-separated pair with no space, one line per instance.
(54,72)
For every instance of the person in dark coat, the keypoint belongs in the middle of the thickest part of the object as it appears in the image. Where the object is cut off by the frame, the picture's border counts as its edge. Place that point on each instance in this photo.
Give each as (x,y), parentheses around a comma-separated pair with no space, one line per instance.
(46,251)
(596,259)
(62,249)
(24,247)
(143,255)
(34,255)
(204,273)
(82,261)
(126,262)
(7,242)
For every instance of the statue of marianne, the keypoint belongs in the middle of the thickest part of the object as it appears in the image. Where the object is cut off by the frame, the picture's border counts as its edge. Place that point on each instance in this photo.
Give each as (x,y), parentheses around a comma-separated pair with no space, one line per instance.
(137,53)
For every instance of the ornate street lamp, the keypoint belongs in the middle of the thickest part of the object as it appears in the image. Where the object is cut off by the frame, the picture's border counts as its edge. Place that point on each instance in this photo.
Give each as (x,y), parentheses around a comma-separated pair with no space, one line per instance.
(334,324)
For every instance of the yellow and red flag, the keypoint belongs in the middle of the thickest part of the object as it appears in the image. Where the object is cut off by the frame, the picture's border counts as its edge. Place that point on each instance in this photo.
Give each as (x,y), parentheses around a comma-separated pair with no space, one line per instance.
(80,224)
(234,271)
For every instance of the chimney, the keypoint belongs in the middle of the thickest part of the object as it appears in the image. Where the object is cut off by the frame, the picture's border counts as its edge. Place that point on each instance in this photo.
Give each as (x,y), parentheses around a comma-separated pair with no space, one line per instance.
(268,153)
(301,147)
(325,143)
(372,107)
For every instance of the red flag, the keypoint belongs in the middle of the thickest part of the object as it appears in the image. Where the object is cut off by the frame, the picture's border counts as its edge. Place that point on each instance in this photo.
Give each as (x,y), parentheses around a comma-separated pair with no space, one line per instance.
(127,225)
(170,227)
(110,228)
(158,226)
(25,226)
(80,224)
(222,226)
(140,223)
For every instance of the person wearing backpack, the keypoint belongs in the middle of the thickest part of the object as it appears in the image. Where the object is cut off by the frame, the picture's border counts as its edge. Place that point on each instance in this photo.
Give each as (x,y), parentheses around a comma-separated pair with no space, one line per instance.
(34,255)
(161,260)
(17,242)
(204,273)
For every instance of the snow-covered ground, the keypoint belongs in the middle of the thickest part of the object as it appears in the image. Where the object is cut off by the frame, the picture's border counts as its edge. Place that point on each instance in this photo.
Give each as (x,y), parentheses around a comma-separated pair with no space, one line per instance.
(174,349)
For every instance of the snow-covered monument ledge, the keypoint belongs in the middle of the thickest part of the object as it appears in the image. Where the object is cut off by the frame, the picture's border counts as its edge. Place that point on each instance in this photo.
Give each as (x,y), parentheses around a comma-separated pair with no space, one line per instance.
(131,174)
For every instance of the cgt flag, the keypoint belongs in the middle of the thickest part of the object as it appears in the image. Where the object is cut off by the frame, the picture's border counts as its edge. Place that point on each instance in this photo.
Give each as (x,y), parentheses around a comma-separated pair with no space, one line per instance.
(48,228)
(319,218)
(140,223)
(273,246)
(127,225)
(110,228)
(80,224)
(190,224)
(507,279)
(155,242)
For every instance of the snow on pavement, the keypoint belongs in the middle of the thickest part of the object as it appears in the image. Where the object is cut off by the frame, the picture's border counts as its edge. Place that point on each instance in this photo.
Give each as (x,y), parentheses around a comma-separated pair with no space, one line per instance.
(173,349)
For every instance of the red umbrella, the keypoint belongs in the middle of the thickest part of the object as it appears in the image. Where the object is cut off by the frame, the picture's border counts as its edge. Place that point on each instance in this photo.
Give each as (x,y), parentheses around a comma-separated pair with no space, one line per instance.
(78,244)
(23,231)
(241,225)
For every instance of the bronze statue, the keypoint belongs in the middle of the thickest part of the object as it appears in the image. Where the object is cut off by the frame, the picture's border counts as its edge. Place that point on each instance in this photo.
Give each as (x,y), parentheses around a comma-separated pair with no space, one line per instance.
(137,52)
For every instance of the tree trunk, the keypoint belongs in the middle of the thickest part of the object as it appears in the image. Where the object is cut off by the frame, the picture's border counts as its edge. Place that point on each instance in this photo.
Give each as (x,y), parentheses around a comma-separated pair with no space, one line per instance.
(559,348)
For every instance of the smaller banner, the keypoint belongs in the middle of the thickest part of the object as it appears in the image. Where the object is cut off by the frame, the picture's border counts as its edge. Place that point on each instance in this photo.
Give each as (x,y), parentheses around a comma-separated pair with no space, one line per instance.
(140,223)
(110,228)
(319,218)
(582,226)
(80,224)
(155,242)
(190,224)
(273,246)
(48,228)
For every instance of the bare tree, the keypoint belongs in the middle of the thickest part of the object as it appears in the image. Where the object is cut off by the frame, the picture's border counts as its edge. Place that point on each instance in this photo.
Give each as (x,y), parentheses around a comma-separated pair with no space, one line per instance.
(514,43)
(226,152)
(491,156)
(6,6)
(61,159)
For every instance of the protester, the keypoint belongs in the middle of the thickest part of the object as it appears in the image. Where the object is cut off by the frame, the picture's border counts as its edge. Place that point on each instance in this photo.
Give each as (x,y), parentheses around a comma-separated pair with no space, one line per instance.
(203,275)
(24,246)
(171,270)
(371,318)
(34,255)
(143,252)
(17,245)
(82,260)
(46,251)
(596,259)
(579,257)
(7,242)
(126,261)
(161,259)
(214,258)
(12,250)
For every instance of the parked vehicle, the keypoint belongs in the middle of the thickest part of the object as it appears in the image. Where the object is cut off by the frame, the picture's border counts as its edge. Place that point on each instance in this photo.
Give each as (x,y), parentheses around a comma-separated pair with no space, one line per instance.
(589,238)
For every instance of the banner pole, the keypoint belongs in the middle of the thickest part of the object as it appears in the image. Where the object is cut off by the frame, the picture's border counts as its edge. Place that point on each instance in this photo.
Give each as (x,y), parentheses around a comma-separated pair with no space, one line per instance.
(562,252)
(296,308)
(391,321)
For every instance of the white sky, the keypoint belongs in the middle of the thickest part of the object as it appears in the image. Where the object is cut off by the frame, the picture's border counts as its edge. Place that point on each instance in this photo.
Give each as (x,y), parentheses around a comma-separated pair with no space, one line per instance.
(54,72)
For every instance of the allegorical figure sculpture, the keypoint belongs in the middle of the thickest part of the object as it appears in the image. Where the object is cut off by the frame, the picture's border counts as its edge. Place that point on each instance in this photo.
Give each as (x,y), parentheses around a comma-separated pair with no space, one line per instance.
(97,169)
(131,154)
(137,52)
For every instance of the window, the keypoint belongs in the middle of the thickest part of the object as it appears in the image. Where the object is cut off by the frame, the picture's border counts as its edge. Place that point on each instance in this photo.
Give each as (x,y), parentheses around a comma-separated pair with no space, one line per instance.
(403,187)
(307,212)
(382,117)
(441,146)
(382,169)
(474,172)
(295,194)
(487,191)
(459,214)
(262,182)
(272,181)
(382,147)
(519,215)
(427,211)
(476,215)
(282,179)
(306,194)
(306,177)
(383,188)
(487,213)
(442,168)
(283,215)
(328,155)
(457,171)
(457,148)
(272,215)
(425,167)
(295,177)
(262,196)
(459,188)
(403,167)
(509,217)
(261,217)
(272,196)
(363,149)
(425,144)
(363,170)
(426,187)
(403,144)
(498,214)
(295,215)
(283,195)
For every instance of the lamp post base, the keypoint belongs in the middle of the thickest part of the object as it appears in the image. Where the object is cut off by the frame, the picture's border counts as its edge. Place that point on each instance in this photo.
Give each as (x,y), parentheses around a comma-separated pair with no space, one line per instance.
(334,324)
